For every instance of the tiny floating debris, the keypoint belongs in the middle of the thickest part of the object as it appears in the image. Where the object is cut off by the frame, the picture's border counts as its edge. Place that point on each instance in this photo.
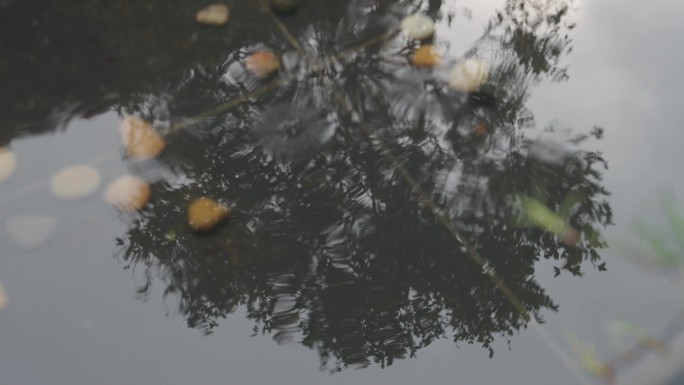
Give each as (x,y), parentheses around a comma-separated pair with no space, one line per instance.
(480,130)
(140,139)
(290,131)
(425,57)
(262,64)
(30,231)
(418,26)
(128,193)
(215,14)
(469,75)
(285,7)
(4,300)
(75,182)
(8,163)
(204,214)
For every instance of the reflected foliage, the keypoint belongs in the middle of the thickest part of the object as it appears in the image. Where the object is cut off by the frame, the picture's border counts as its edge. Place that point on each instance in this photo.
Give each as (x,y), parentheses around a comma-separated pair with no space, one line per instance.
(328,246)
(75,59)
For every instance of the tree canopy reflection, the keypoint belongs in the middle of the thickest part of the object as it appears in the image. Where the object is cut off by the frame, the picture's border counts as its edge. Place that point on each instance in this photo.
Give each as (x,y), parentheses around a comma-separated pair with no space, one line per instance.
(328,246)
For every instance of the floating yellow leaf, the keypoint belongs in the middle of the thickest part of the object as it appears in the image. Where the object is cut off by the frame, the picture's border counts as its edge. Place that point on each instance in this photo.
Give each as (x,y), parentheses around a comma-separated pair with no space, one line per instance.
(215,14)
(426,56)
(141,139)
(30,231)
(128,193)
(8,163)
(3,297)
(469,75)
(204,214)
(262,63)
(75,182)
(418,26)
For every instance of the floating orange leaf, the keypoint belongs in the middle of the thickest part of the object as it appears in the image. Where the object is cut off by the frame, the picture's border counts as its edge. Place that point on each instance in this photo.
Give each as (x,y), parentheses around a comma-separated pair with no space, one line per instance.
(204,214)
(8,163)
(141,139)
(129,193)
(75,182)
(426,56)
(215,14)
(262,63)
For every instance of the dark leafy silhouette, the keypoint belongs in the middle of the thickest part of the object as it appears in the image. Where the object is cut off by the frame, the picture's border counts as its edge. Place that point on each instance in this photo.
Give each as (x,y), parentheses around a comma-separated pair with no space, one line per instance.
(328,245)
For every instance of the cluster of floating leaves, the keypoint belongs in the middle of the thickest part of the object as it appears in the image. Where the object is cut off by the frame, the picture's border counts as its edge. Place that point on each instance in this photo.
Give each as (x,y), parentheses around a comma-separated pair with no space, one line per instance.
(299,125)
(127,193)
(140,139)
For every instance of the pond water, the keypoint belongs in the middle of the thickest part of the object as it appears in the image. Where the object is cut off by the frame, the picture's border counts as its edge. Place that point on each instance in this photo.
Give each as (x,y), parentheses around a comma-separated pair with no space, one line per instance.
(387,223)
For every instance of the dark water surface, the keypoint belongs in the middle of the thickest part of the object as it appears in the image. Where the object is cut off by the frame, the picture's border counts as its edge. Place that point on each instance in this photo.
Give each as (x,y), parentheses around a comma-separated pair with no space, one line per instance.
(381,227)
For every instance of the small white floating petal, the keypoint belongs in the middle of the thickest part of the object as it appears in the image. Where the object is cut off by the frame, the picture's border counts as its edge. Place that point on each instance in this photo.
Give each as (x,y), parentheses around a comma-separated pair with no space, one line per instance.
(8,163)
(418,26)
(30,231)
(75,182)
(3,297)
(469,75)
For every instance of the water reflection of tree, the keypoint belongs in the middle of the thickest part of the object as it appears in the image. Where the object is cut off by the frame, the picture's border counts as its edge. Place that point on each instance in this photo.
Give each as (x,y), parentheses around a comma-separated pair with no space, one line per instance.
(328,246)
